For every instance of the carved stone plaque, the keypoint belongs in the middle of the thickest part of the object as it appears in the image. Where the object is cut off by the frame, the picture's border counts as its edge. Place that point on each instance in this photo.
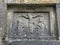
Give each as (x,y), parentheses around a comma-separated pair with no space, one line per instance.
(29,26)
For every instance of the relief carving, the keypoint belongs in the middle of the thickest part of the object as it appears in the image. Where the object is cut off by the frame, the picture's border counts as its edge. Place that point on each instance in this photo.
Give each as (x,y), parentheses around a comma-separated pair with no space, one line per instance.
(30,25)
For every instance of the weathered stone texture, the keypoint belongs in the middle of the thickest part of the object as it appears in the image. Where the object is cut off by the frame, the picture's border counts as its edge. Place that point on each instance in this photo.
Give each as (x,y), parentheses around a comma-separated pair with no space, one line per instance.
(32,1)
(58,17)
(36,1)
(2,21)
(33,43)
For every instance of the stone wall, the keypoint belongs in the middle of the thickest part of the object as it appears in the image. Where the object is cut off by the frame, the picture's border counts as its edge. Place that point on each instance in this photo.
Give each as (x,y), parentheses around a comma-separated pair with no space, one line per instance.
(3,17)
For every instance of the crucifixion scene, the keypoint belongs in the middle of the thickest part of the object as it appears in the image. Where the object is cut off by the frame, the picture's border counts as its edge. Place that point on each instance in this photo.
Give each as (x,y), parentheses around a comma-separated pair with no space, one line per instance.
(30,25)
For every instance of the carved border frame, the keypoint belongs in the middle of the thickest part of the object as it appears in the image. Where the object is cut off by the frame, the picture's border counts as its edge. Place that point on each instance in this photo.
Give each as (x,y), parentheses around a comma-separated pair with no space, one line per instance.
(44,9)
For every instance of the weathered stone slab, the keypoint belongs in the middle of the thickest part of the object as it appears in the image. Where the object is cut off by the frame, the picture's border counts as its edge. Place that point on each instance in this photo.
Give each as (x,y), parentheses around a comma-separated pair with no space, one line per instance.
(28,25)
(33,43)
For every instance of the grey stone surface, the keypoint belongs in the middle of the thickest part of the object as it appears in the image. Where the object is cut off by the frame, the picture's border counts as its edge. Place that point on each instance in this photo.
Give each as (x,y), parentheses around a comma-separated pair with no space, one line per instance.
(29,25)
(58,17)
(36,42)
(2,15)
(33,43)
(2,19)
